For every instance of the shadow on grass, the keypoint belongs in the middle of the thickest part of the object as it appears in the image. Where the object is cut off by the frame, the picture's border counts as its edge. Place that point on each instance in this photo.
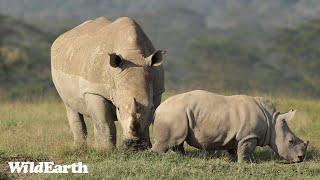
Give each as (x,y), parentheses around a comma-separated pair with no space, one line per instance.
(3,176)
(313,154)
(260,156)
(207,154)
(87,153)
(82,152)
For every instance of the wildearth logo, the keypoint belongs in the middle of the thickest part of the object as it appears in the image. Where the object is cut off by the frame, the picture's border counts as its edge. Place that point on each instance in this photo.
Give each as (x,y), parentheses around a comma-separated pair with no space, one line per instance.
(47,167)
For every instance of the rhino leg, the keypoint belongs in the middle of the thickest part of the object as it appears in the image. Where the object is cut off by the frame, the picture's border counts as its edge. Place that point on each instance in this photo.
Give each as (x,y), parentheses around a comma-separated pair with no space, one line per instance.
(77,125)
(233,154)
(160,147)
(103,118)
(170,131)
(179,149)
(164,147)
(245,150)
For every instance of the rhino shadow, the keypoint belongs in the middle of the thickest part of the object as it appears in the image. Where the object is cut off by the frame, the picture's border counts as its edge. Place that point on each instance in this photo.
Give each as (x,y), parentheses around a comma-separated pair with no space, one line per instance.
(261,155)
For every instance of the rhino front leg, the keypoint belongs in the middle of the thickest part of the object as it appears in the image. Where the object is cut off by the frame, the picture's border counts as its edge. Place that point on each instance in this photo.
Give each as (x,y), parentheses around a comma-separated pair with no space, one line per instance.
(160,147)
(246,149)
(233,154)
(77,125)
(179,149)
(103,118)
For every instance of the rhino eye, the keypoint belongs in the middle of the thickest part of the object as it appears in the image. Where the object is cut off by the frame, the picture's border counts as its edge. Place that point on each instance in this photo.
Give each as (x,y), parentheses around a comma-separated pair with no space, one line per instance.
(139,109)
(291,141)
(283,122)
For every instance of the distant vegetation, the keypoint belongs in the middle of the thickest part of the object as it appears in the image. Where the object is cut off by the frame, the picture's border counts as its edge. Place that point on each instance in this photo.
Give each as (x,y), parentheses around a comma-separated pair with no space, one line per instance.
(287,62)
(24,59)
(235,46)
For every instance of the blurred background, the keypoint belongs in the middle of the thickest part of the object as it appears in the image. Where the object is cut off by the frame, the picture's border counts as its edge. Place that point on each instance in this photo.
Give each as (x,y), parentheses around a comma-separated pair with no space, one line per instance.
(226,46)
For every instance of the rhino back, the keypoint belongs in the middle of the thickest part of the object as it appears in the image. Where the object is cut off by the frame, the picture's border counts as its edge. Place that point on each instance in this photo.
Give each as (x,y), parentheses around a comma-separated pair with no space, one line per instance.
(83,51)
(89,27)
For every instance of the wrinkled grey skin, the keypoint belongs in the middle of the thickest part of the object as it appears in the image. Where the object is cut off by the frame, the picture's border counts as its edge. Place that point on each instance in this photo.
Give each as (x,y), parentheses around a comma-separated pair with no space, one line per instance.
(236,123)
(107,71)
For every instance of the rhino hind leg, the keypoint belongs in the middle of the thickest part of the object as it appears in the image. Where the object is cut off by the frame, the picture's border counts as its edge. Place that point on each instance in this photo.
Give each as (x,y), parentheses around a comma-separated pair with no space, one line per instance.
(246,149)
(77,125)
(103,118)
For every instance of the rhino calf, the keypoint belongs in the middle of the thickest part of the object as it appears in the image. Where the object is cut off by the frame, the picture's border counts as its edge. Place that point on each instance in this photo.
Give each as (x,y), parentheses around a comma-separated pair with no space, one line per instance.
(236,123)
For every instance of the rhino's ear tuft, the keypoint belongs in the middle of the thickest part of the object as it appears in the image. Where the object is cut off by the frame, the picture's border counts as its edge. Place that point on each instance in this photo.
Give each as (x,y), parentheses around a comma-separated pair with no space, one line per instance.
(289,115)
(115,60)
(156,59)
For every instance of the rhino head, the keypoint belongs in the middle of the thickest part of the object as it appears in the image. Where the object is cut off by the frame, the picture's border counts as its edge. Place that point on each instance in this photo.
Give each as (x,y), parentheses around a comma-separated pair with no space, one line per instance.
(283,141)
(134,96)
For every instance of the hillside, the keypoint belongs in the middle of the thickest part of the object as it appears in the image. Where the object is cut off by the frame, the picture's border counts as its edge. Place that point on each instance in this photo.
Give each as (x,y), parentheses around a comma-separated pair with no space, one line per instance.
(24,58)
(170,23)
(238,46)
(217,13)
(286,64)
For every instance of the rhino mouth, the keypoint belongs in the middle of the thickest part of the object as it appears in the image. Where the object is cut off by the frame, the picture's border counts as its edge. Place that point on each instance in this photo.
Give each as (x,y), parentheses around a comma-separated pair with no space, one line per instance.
(136,144)
(298,159)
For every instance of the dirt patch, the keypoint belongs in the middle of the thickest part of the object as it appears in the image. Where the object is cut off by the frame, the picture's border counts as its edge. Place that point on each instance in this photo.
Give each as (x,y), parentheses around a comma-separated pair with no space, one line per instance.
(5,170)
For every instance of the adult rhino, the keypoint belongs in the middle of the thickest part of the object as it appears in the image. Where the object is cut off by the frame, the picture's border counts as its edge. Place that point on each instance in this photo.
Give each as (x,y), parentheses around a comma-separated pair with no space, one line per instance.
(108,70)
(236,123)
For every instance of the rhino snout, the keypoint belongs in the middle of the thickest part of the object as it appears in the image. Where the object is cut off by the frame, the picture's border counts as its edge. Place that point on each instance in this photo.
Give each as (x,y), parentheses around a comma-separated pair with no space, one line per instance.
(302,153)
(300,158)
(137,144)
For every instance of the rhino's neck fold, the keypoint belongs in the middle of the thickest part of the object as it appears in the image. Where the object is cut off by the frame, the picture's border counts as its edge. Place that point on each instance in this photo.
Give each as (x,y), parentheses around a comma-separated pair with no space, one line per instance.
(265,138)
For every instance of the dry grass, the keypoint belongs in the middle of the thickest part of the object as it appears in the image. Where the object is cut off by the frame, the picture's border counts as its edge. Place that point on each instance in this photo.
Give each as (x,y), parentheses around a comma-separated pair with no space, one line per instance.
(39,131)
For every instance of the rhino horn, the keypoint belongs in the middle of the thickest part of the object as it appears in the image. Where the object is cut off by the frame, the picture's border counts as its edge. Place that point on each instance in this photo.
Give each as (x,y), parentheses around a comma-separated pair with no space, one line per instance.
(134,106)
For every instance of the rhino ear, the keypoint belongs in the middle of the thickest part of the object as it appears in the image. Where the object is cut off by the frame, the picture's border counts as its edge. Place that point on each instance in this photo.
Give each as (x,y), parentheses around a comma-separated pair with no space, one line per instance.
(156,59)
(115,60)
(275,116)
(289,115)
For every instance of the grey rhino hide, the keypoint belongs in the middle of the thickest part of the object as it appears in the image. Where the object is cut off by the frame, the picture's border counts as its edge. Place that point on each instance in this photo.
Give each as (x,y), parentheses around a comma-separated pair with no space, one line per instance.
(235,123)
(103,69)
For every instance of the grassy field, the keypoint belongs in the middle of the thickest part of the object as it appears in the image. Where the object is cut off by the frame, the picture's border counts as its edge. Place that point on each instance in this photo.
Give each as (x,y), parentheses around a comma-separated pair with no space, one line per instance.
(39,132)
